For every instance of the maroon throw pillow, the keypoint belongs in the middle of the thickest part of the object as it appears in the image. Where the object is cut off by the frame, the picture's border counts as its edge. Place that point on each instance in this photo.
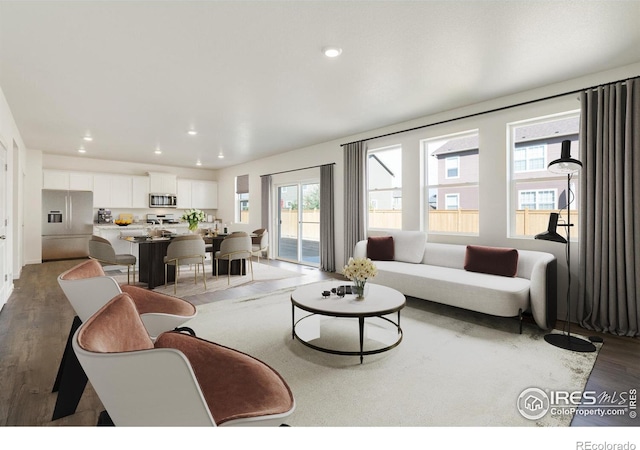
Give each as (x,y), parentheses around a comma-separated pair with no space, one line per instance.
(380,248)
(491,260)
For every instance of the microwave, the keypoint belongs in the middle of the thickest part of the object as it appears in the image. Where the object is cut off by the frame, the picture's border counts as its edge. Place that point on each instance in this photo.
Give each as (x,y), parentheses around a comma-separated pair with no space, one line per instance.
(163,201)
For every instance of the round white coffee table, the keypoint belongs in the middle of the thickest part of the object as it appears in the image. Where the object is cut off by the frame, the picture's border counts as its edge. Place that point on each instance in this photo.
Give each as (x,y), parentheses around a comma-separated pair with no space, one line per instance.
(379,301)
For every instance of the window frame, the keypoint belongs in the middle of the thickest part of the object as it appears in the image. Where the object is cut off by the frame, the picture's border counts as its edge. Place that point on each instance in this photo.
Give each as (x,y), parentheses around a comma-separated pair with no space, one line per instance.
(527,160)
(393,190)
(444,183)
(516,179)
(447,160)
(242,198)
(446,201)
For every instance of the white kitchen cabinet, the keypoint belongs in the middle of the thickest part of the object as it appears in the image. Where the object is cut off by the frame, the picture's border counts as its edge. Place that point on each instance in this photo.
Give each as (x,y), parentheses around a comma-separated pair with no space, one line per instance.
(65,180)
(204,194)
(80,181)
(200,194)
(162,183)
(112,191)
(121,191)
(140,192)
(184,194)
(102,191)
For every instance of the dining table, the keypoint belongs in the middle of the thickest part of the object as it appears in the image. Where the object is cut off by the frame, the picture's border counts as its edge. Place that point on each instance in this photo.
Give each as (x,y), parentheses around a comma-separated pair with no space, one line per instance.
(152,250)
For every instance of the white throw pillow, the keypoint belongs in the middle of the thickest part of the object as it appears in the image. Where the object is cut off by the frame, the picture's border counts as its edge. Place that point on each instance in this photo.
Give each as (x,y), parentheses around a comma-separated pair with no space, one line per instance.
(409,246)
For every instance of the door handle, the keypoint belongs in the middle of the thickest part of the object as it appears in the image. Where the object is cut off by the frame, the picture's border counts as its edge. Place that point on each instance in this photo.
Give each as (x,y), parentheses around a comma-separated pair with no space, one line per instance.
(3,237)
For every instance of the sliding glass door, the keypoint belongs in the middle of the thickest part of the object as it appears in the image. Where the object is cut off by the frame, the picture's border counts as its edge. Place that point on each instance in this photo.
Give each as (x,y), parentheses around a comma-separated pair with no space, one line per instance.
(299,223)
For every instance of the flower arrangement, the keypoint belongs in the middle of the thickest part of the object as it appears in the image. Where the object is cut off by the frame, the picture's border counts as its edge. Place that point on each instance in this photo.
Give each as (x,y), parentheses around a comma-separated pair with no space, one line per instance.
(359,270)
(194,217)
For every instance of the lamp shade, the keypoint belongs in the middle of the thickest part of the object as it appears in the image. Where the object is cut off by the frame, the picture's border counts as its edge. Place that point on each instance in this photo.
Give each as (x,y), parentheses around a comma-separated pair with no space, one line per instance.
(551,234)
(566,164)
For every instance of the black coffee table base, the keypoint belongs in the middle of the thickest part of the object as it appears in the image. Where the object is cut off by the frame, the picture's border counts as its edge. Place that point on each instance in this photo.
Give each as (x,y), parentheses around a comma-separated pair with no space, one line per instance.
(360,353)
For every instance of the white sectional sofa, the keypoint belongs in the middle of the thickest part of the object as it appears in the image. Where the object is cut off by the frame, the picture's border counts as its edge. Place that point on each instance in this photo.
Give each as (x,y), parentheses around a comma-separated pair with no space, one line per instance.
(436,272)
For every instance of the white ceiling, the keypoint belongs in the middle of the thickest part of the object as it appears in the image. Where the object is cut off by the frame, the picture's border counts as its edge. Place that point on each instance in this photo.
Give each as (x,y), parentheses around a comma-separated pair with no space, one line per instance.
(250,77)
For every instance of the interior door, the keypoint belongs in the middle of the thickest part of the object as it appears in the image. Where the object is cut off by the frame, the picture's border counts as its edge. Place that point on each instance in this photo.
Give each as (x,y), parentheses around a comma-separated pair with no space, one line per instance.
(4,277)
(299,223)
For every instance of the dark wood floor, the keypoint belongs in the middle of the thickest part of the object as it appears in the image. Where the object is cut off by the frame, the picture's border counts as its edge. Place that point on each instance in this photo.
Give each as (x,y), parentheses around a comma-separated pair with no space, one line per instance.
(35,322)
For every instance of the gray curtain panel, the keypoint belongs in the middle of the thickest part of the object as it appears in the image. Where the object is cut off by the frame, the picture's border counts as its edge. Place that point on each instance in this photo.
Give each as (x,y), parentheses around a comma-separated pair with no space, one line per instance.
(609,218)
(354,195)
(265,182)
(327,232)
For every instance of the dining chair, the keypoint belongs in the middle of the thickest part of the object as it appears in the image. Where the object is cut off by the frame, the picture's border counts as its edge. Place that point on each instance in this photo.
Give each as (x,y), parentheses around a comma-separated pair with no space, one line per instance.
(236,246)
(178,380)
(185,249)
(88,289)
(101,250)
(260,243)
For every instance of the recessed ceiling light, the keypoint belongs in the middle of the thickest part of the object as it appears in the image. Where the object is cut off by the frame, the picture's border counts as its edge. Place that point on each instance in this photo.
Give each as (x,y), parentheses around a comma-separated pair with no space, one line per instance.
(332,52)
(192,132)
(221,155)
(82,150)
(158,151)
(88,138)
(198,163)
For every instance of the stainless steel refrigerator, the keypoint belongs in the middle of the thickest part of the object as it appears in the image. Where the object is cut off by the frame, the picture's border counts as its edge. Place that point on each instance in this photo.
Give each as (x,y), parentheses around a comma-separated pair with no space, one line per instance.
(67,224)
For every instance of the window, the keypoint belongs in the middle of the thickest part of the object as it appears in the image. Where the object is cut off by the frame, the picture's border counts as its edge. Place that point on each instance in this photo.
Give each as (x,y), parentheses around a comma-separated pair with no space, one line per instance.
(452,201)
(534,191)
(538,199)
(384,187)
(452,165)
(242,199)
(452,189)
(529,158)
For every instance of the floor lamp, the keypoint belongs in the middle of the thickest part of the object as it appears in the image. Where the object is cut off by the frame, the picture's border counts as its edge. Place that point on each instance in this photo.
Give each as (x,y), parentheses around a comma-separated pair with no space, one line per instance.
(569,166)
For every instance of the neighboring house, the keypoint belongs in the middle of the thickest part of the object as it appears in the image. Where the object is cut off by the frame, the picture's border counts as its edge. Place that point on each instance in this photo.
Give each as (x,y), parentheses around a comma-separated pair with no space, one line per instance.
(458,160)
(534,147)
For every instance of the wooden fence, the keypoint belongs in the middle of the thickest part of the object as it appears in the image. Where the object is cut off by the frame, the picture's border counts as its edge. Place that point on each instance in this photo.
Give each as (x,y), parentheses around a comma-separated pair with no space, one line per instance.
(528,222)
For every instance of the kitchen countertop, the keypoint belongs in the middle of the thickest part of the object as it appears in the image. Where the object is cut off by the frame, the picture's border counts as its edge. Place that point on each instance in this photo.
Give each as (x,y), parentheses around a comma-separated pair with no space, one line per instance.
(138,226)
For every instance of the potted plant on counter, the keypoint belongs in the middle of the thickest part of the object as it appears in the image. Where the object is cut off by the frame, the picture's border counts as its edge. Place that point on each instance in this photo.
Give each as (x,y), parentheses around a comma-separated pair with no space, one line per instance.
(194,217)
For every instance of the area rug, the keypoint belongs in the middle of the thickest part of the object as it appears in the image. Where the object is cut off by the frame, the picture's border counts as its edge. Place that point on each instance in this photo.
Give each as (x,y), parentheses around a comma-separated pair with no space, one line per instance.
(453,367)
(187,286)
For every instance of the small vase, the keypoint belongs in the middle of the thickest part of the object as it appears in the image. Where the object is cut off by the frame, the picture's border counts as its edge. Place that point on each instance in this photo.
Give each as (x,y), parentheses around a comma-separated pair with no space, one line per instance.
(193,227)
(360,290)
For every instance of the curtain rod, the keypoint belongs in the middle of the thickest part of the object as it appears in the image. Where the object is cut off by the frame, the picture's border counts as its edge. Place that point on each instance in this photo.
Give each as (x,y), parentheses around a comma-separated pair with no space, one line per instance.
(502,108)
(296,170)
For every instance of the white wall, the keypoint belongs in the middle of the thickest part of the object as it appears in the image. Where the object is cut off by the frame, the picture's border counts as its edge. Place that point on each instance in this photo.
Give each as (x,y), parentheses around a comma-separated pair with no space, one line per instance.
(33,204)
(11,139)
(494,212)
(315,155)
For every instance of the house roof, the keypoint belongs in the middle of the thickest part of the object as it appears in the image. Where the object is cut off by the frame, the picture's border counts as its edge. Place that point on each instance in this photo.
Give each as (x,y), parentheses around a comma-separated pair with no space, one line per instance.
(457,145)
(556,128)
(527,133)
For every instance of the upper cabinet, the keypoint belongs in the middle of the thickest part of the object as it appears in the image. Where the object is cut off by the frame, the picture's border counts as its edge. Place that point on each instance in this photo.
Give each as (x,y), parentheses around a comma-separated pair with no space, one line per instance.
(204,194)
(112,191)
(65,180)
(162,183)
(132,191)
(140,192)
(199,194)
